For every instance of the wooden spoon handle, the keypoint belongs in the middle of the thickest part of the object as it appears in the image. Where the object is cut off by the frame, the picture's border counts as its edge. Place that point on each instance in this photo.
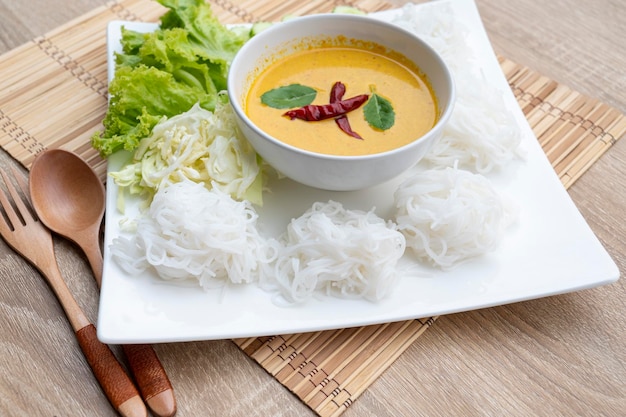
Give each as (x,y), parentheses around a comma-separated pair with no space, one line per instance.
(91,247)
(115,383)
(151,378)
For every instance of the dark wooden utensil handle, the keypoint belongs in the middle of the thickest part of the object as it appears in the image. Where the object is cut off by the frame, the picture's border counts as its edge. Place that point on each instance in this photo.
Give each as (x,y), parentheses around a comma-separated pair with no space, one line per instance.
(115,383)
(151,378)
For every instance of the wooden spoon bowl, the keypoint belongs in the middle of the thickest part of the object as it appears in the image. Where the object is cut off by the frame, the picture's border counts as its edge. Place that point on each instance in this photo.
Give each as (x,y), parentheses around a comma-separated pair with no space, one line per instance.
(69,199)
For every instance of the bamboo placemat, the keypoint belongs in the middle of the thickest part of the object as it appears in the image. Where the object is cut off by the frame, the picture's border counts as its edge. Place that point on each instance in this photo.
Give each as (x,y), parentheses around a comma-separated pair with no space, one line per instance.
(53,94)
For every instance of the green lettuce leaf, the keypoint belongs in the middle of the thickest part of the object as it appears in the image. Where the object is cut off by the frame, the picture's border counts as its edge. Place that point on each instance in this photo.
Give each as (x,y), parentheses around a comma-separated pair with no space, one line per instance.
(140,98)
(165,72)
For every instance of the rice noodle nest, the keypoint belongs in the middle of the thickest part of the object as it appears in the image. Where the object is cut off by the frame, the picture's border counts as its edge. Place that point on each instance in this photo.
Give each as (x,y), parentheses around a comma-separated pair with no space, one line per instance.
(450,215)
(338,252)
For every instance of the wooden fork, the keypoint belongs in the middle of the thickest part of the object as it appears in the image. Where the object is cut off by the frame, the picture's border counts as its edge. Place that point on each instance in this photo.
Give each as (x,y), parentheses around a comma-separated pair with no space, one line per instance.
(26,235)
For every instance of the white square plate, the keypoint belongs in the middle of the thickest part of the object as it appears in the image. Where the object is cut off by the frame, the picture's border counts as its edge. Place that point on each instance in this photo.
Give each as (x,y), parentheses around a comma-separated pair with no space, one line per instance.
(550,251)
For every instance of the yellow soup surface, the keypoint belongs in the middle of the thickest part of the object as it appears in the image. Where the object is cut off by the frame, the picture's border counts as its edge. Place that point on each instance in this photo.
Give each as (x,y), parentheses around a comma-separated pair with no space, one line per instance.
(362,69)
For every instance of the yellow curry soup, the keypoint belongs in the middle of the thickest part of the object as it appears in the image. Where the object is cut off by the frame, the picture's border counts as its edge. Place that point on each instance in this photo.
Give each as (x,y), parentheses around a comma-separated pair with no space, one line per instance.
(362,68)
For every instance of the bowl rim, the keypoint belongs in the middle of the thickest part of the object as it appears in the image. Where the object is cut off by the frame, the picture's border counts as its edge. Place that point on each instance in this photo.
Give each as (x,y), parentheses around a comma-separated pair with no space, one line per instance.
(293,22)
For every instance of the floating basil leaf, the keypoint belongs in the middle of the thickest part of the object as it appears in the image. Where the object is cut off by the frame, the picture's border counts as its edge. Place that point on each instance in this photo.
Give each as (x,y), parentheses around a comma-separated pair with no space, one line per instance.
(289,96)
(379,112)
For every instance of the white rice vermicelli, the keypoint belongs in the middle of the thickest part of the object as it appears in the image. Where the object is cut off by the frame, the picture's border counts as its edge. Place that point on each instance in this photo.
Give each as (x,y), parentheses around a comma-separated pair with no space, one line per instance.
(190,232)
(450,215)
(339,252)
(482,134)
(437,25)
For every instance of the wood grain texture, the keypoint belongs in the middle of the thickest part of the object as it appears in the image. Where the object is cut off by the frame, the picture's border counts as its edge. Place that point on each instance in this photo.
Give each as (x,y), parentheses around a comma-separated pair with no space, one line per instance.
(558,356)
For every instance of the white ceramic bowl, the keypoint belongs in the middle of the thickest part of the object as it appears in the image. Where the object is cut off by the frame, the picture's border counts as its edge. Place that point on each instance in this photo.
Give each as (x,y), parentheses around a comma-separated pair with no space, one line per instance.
(330,172)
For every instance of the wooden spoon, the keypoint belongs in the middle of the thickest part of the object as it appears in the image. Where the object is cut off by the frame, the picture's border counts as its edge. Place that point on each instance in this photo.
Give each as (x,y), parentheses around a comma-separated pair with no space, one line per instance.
(69,199)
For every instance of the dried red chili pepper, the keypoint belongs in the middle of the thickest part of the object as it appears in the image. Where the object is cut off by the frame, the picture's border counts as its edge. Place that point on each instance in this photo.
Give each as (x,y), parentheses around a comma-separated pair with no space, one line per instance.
(336,94)
(344,125)
(317,112)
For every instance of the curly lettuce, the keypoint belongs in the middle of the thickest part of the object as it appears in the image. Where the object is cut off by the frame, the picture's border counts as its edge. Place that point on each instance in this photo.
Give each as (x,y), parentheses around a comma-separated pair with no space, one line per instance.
(165,72)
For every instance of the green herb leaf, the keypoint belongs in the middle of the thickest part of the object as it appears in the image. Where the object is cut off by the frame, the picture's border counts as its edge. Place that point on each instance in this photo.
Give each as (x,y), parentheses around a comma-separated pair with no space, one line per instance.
(379,112)
(289,96)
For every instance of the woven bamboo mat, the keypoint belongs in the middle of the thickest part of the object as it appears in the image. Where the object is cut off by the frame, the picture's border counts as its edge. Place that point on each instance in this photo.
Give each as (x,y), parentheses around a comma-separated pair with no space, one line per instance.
(53,94)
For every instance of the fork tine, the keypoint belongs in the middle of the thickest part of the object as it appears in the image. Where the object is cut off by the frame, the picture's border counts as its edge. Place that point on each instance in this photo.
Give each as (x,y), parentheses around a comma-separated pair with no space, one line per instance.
(12,215)
(23,206)
(22,183)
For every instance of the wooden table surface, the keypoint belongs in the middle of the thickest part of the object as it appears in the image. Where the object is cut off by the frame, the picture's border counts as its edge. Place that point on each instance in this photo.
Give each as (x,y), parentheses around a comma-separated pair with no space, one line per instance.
(557,356)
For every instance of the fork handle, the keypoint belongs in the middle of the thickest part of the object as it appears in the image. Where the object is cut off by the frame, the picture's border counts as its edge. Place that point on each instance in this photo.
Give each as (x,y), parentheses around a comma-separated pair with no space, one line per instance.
(143,361)
(151,379)
(115,383)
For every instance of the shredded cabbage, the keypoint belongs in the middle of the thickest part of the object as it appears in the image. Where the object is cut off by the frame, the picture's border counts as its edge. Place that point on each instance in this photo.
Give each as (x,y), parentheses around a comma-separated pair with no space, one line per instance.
(198,145)
(190,232)
(450,215)
(339,252)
